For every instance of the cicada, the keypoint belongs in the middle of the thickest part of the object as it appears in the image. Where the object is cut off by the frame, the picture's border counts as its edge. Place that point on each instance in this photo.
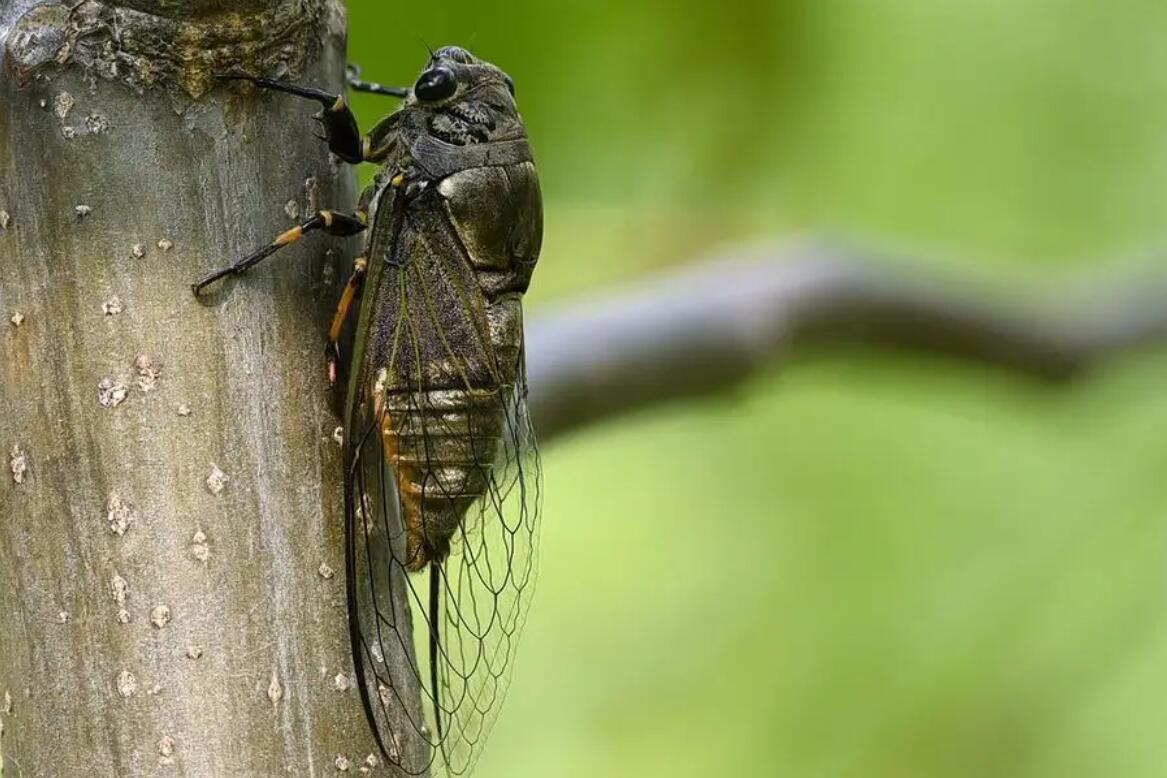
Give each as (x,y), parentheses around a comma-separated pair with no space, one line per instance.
(442,475)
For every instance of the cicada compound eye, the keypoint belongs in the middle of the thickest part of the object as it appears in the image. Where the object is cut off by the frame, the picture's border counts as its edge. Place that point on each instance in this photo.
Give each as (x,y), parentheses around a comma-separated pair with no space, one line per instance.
(435,84)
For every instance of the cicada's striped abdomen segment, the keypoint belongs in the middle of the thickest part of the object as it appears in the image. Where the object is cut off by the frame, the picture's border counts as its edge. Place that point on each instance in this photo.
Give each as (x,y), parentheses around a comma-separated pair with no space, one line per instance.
(442,445)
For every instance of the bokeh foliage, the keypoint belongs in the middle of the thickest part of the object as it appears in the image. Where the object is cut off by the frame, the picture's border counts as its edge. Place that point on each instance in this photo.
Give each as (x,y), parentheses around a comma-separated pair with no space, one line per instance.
(871,564)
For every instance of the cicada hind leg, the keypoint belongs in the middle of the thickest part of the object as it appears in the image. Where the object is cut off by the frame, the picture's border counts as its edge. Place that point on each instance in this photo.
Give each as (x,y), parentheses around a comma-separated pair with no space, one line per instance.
(354,289)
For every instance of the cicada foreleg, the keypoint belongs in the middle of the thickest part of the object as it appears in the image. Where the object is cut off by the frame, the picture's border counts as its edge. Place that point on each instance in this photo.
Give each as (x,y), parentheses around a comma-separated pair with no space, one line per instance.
(341,131)
(338,224)
(355,83)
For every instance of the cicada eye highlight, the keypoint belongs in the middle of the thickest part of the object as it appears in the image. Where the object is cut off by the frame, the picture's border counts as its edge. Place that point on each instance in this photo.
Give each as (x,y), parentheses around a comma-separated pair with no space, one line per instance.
(435,84)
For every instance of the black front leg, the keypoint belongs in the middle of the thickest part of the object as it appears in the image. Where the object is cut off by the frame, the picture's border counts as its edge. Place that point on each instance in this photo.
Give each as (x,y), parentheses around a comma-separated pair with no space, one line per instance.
(355,83)
(340,125)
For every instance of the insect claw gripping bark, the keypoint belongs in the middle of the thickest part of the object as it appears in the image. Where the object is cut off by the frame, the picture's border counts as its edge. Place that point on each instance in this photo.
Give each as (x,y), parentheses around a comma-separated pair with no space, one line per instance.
(441,470)
(340,125)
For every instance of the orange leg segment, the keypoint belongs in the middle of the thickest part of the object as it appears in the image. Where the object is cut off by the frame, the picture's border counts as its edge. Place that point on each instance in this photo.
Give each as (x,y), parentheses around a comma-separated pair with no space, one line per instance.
(351,291)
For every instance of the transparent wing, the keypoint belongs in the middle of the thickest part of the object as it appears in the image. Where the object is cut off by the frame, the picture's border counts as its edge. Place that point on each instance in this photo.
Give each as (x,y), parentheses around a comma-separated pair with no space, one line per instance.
(443,419)
(380,601)
(486,587)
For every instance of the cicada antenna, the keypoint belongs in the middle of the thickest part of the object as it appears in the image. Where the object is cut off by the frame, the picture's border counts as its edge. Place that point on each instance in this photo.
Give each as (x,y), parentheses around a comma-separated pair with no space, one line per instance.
(428,48)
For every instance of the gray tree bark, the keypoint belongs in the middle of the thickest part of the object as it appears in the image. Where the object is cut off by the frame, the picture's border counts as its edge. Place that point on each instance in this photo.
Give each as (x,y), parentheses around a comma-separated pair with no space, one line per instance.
(171,561)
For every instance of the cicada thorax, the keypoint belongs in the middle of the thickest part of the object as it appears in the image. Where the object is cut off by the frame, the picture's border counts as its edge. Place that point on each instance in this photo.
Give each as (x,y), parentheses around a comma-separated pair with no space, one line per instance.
(444,375)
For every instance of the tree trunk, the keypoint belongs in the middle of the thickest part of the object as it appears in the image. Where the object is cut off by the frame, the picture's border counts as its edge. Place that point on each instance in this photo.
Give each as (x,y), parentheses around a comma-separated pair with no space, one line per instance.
(171,547)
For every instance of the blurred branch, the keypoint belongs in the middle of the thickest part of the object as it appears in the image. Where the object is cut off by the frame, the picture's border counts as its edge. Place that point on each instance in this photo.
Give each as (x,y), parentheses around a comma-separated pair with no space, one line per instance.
(711,326)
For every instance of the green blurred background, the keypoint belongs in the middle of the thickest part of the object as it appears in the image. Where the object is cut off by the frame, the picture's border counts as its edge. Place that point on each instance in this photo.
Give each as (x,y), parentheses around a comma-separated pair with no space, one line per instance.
(872,564)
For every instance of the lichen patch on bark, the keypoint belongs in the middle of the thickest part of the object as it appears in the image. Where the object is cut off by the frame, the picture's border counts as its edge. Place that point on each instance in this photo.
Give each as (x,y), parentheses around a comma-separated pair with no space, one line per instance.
(200,547)
(62,104)
(166,750)
(217,480)
(160,616)
(119,514)
(113,306)
(111,392)
(119,589)
(275,691)
(18,464)
(148,373)
(126,683)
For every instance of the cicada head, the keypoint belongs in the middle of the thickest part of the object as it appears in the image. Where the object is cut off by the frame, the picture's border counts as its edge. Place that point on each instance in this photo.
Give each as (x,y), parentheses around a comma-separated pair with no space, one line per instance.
(464,100)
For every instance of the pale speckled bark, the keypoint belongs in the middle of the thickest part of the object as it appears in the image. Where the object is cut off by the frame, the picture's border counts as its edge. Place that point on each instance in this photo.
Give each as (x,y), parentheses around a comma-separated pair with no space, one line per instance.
(204,639)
